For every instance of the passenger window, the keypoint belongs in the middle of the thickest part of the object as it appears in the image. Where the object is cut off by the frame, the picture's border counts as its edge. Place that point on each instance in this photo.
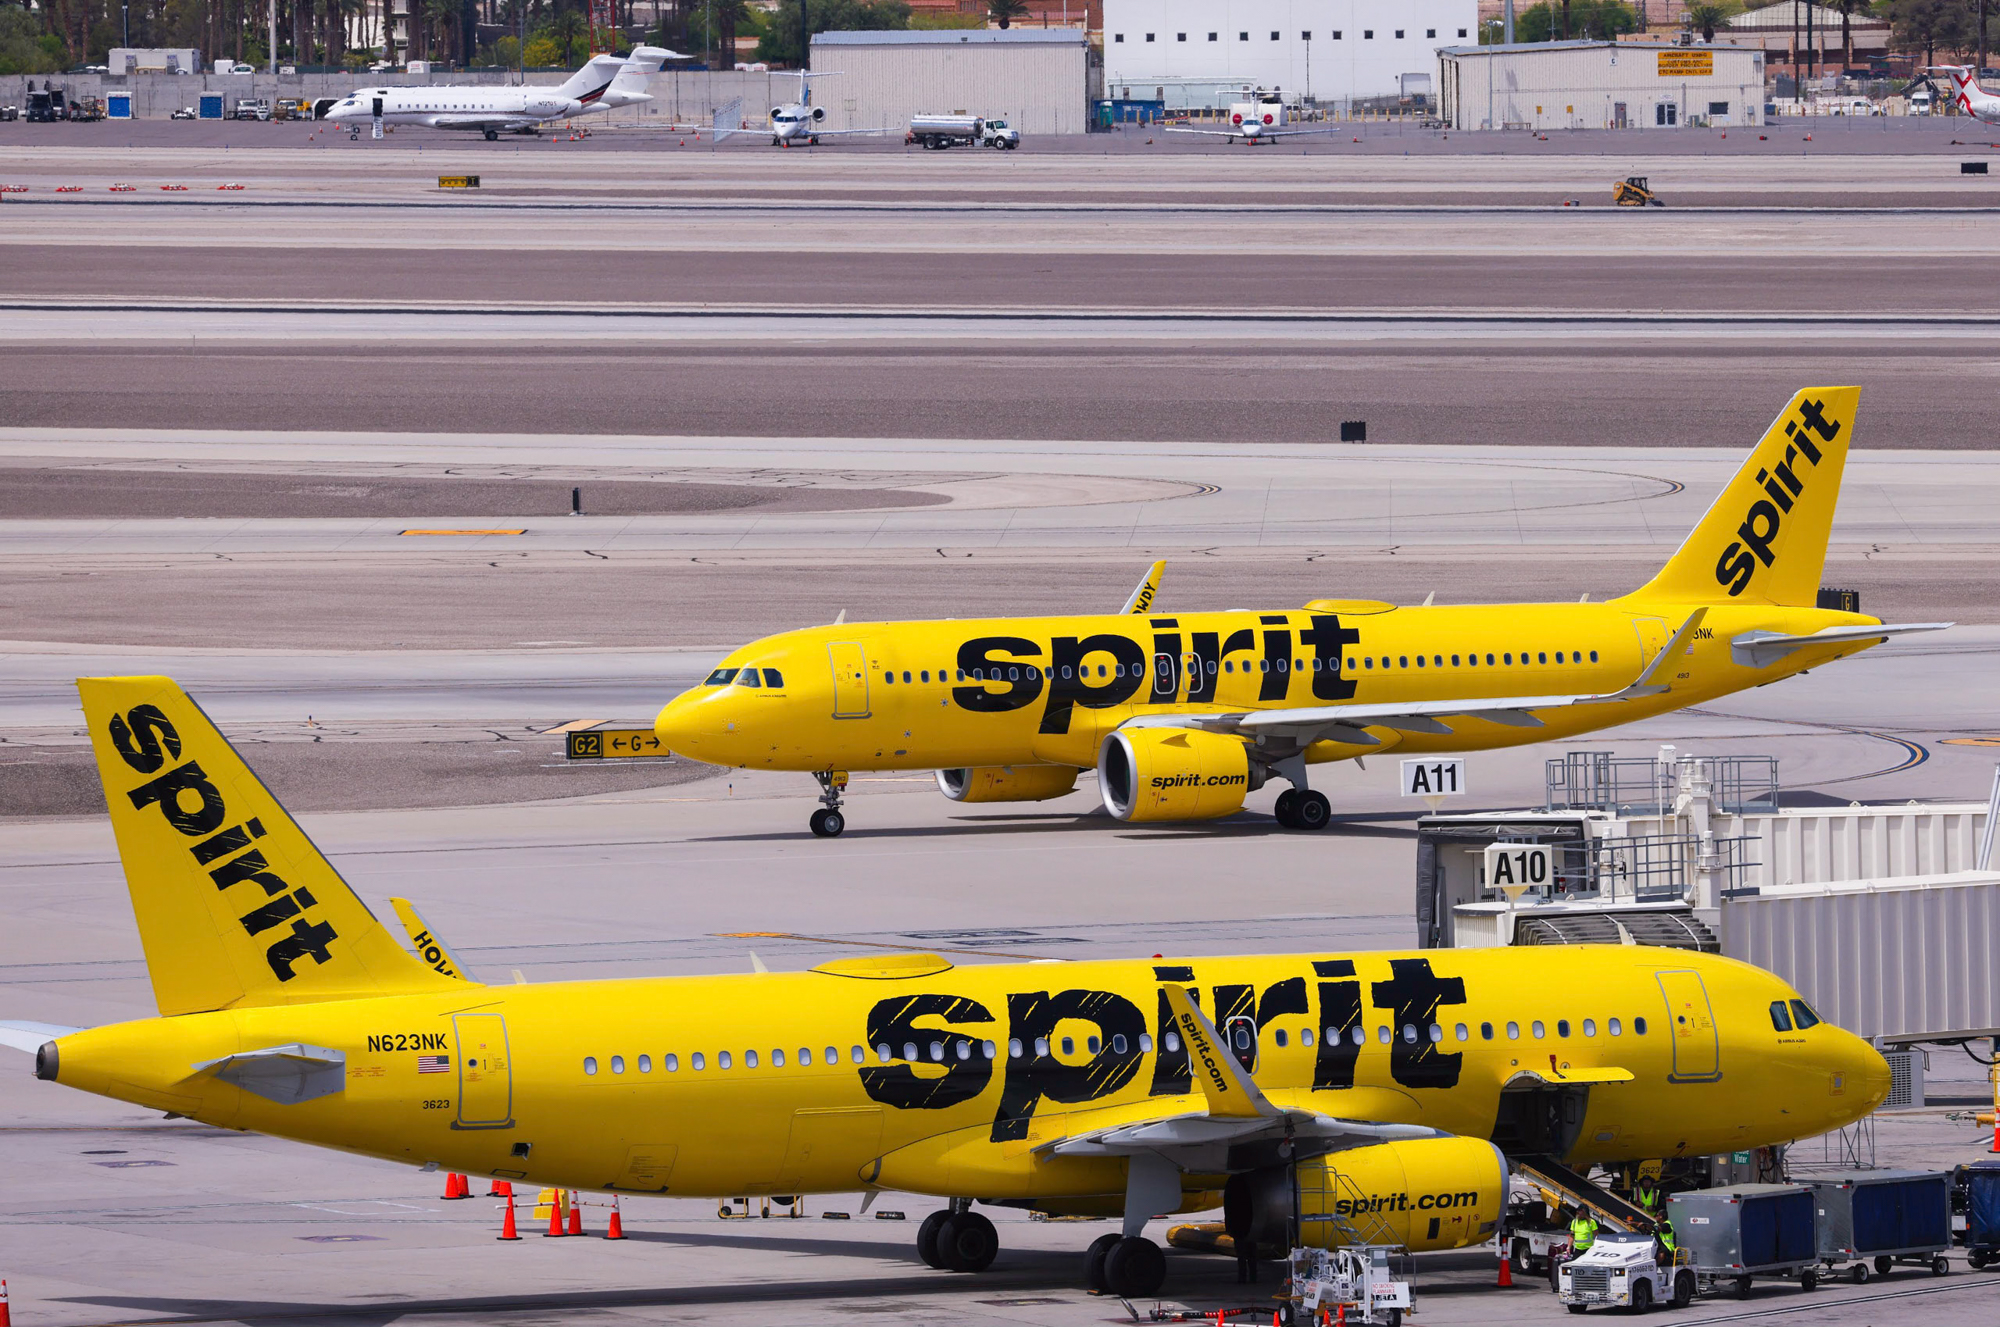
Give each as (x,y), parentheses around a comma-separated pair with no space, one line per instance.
(1562,1027)
(1382,1035)
(1513,1032)
(1464,1032)
(1279,1036)
(858,1056)
(1543,657)
(1402,661)
(1305,1036)
(1593,656)
(1041,1046)
(1638,1027)
(1091,1044)
(720,677)
(1489,661)
(1780,1020)
(671,1063)
(1437,660)
(748,678)
(910,1050)
(1368,662)
(1069,1045)
(889,678)
(1173,1041)
(964,1050)
(1437,1033)
(698,1061)
(1454,661)
(1410,1034)
(1803,1015)
(645,1064)
(1013,1048)
(1420,661)
(749,1060)
(722,1060)
(906,675)
(617,1064)
(1145,1043)
(1486,1032)
(773,678)
(805,1056)
(937,1052)
(1359,1035)
(1507,659)
(989,1049)
(1589,1027)
(590,1064)
(1614,1027)
(883,1053)
(1539,1029)
(924,676)
(1242,1037)
(777,1059)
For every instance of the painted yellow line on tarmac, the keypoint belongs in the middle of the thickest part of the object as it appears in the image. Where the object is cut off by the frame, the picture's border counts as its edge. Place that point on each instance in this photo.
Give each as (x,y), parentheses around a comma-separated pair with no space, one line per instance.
(407,532)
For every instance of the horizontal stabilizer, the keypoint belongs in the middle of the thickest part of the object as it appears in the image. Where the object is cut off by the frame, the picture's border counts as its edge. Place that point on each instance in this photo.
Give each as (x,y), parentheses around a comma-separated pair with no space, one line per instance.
(1760,649)
(287,1074)
(31,1037)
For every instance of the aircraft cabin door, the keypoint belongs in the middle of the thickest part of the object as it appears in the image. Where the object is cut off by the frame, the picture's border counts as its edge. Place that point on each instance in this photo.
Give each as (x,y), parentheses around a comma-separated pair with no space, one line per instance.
(485,1072)
(1653,637)
(1691,1022)
(850,679)
(1241,1034)
(1166,679)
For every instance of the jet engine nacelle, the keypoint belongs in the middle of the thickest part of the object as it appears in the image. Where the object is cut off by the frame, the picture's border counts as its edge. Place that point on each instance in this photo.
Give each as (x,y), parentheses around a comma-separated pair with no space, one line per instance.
(1172,774)
(1007,783)
(818,114)
(1425,1194)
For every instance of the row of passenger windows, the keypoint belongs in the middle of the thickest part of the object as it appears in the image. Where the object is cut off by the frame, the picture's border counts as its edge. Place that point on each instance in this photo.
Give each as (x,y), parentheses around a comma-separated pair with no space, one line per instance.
(1367,34)
(944,1050)
(745,677)
(1799,1016)
(1029,672)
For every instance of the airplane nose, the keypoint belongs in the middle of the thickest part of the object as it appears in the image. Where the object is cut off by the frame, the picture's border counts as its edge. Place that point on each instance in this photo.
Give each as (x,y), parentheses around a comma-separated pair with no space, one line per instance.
(675,726)
(1866,1070)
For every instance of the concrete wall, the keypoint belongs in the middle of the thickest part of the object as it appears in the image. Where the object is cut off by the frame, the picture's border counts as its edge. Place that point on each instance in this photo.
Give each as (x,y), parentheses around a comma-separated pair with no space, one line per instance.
(1581,85)
(1037,86)
(1161,49)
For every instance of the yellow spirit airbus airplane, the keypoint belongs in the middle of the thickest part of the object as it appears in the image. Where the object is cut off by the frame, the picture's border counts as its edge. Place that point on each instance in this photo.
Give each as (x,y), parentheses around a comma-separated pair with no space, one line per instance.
(1183,714)
(1375,1090)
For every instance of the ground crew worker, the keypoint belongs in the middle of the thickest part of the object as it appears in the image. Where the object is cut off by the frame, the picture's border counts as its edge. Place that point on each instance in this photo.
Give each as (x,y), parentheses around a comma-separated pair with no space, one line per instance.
(1646,1193)
(1582,1233)
(1667,1249)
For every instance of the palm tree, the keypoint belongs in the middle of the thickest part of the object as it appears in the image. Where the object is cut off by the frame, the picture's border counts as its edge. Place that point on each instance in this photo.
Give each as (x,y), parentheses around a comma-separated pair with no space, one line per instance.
(1847,31)
(1004,12)
(566,29)
(1708,16)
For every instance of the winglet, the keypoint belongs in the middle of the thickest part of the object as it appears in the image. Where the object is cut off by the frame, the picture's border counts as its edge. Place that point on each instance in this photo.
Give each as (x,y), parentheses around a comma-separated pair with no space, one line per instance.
(429,948)
(1142,596)
(1230,1092)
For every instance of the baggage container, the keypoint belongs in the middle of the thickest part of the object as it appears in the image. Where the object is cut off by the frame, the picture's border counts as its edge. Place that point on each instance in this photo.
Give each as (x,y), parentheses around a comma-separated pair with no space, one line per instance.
(1976,1211)
(1882,1217)
(1748,1230)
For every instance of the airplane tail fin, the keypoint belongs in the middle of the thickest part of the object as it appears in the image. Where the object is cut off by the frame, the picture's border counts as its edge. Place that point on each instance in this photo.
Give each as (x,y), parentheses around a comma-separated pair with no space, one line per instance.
(588,83)
(643,61)
(1764,540)
(235,905)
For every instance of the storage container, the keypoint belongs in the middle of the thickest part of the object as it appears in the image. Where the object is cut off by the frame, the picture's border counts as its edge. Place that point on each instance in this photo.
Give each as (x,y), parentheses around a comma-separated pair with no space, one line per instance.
(1746,1228)
(1882,1213)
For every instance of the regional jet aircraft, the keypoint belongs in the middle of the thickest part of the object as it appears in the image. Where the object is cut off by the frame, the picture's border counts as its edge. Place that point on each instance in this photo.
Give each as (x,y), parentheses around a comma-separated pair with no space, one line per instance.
(1182,714)
(1318,1098)
(607,81)
(1972,99)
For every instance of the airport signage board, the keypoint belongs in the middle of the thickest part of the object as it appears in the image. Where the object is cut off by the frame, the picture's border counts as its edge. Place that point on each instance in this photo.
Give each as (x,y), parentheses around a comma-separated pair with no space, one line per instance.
(613,744)
(1687,64)
(1433,778)
(1516,868)
(458,181)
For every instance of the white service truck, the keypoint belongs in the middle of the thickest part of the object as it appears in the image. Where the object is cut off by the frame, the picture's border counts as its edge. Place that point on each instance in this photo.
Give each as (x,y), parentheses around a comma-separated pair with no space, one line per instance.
(942,131)
(1623,1270)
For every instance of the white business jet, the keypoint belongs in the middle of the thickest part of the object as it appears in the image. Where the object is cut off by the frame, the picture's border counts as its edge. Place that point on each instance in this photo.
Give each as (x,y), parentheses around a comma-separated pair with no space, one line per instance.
(800,121)
(1263,119)
(1972,99)
(607,81)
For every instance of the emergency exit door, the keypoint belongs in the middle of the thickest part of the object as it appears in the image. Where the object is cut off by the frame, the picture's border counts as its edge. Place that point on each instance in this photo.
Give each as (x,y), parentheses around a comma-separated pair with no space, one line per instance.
(850,679)
(485,1072)
(1691,1024)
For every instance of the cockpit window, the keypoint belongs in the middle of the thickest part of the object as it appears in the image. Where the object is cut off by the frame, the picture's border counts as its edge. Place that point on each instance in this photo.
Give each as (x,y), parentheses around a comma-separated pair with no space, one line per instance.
(773,678)
(1803,1015)
(748,678)
(1779,1018)
(721,677)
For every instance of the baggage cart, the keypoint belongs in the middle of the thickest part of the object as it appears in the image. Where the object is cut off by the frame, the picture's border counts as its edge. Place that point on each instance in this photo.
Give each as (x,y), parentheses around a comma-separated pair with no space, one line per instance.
(1882,1218)
(1734,1235)
(1975,1217)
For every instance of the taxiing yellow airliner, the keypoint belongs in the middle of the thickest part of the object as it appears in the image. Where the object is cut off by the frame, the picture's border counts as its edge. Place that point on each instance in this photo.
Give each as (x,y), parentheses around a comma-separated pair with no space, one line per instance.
(1328,1097)
(1183,714)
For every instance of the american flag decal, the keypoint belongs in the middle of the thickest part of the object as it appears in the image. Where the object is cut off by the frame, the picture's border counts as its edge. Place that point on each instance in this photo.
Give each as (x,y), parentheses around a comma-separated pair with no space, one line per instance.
(433,1064)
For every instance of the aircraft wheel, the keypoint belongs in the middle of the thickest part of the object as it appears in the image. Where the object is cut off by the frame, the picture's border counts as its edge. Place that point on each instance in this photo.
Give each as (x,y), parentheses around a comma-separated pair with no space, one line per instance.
(1134,1268)
(1286,808)
(927,1239)
(1683,1289)
(827,823)
(1312,811)
(492,136)
(968,1242)
(1093,1262)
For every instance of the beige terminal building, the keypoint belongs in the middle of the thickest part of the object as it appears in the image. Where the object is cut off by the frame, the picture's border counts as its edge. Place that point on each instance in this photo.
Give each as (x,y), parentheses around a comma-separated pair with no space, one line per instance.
(1600,85)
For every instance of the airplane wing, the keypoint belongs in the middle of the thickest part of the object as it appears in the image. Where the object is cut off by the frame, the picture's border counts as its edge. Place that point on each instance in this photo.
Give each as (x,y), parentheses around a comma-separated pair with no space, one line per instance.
(1237,1116)
(503,123)
(1261,133)
(29,1037)
(846,133)
(1756,649)
(1147,588)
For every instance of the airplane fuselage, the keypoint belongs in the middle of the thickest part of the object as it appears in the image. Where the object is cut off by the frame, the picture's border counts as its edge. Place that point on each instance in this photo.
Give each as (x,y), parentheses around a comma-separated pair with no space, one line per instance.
(951,694)
(938,1079)
(473,108)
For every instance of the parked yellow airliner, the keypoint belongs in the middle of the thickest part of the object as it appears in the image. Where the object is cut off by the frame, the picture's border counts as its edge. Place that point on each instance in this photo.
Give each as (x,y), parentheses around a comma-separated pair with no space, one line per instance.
(1386,1085)
(1183,714)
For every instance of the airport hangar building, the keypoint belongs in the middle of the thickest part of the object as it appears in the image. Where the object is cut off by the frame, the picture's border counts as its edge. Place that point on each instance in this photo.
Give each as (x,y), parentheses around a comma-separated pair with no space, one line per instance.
(1600,85)
(1036,79)
(1190,54)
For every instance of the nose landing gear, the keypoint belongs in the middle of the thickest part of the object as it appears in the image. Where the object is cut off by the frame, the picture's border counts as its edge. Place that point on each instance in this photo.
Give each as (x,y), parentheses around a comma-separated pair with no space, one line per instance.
(827,822)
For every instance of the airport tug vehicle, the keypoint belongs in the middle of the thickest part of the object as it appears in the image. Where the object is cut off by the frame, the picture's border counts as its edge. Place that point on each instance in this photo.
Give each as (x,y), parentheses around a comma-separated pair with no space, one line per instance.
(1623,1270)
(1353,1283)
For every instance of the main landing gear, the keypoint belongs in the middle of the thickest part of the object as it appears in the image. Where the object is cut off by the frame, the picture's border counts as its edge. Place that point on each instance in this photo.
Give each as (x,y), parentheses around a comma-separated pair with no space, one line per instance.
(1303,808)
(1128,1266)
(827,822)
(957,1239)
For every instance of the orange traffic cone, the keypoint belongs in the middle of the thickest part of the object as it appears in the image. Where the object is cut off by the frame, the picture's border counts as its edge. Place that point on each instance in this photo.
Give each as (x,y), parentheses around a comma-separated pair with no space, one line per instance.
(575,1214)
(1506,1281)
(555,1229)
(616,1230)
(507,1230)
(6,1314)
(456,1186)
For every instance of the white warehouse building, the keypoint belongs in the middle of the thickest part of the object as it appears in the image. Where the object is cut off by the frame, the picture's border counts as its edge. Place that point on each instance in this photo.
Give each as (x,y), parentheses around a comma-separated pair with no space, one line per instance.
(1600,85)
(1190,53)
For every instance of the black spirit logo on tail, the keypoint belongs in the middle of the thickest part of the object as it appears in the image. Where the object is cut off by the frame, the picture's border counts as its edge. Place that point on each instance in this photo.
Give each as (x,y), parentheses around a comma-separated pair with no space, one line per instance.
(1783,483)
